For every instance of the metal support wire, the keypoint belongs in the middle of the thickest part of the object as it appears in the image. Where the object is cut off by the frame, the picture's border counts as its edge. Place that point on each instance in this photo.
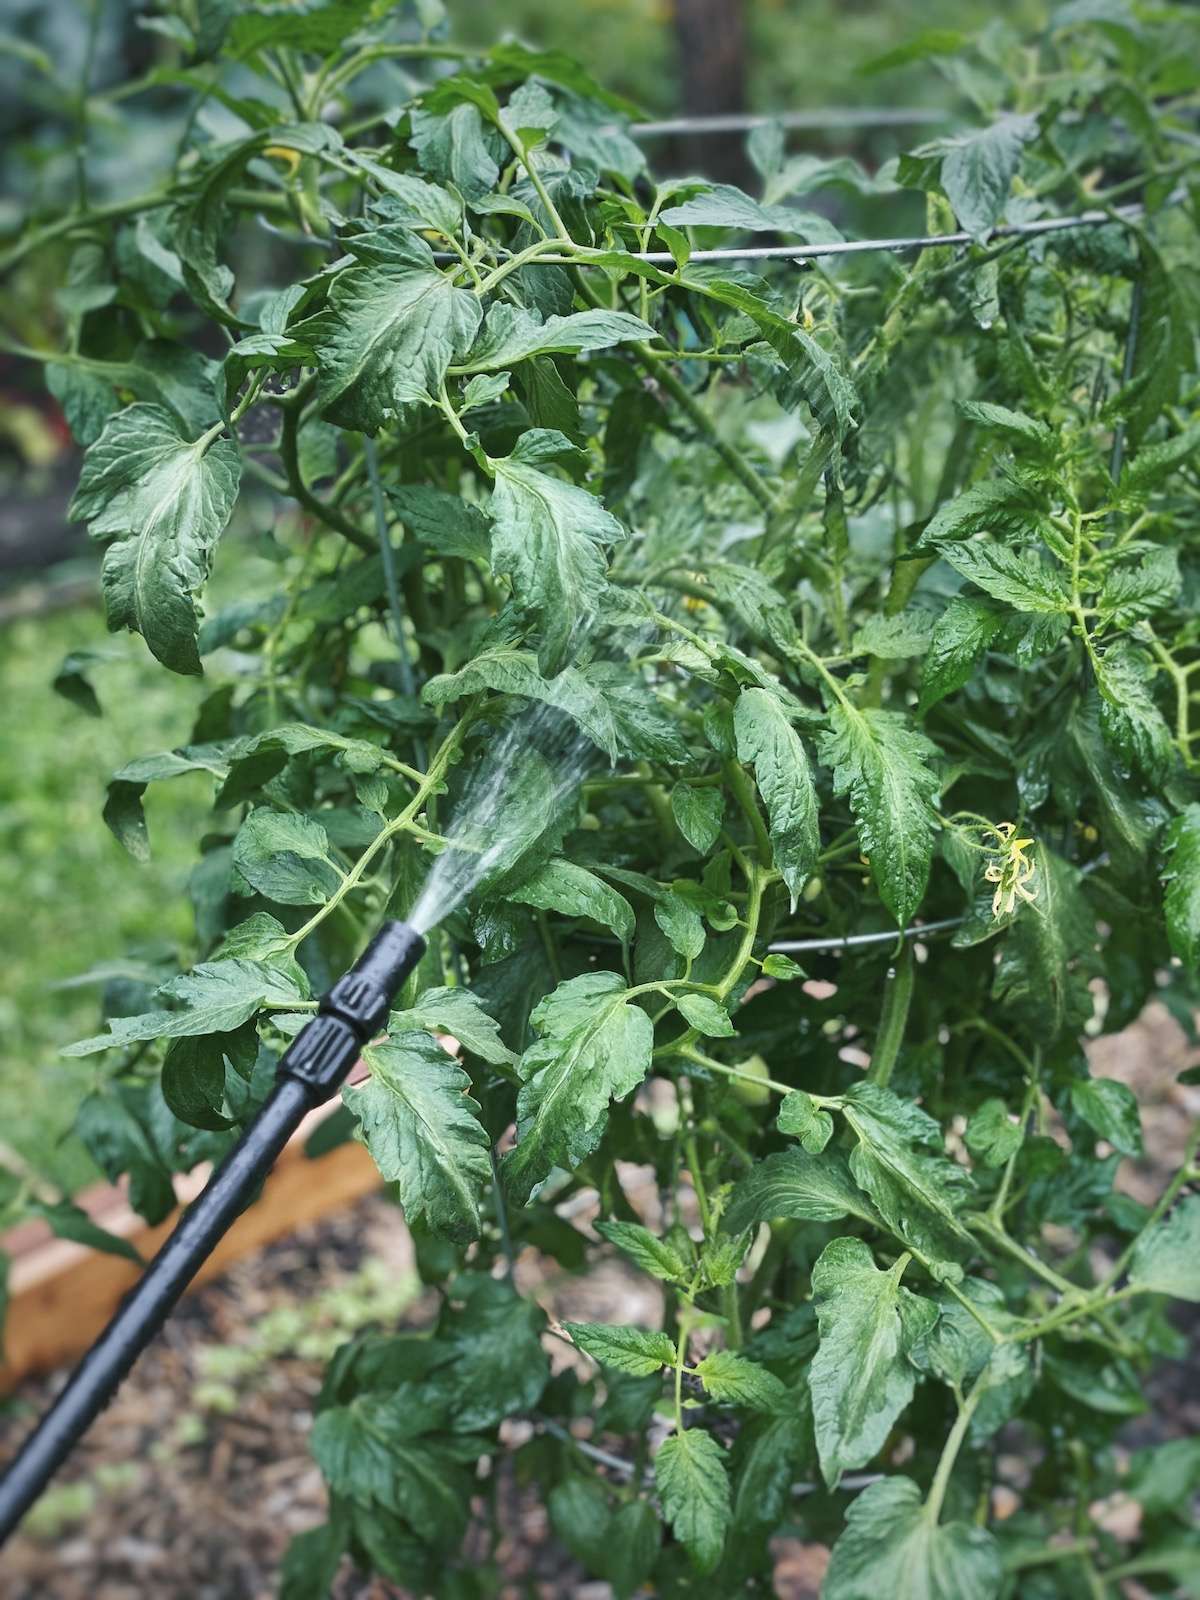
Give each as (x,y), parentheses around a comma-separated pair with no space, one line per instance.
(846,247)
(855,941)
(818,119)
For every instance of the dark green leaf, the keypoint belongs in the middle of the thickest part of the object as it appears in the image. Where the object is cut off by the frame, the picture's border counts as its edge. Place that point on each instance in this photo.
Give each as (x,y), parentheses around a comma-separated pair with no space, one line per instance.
(693,1485)
(878,762)
(423,1131)
(629,1350)
(891,1546)
(160,501)
(766,739)
(862,1377)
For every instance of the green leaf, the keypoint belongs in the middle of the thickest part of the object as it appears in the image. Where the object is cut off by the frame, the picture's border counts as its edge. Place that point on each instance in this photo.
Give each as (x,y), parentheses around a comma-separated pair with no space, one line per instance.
(257,760)
(286,857)
(371,1452)
(423,1131)
(493,1362)
(796,1183)
(725,206)
(511,671)
(393,324)
(1155,463)
(200,215)
(573,891)
(706,1015)
(1132,592)
(1129,718)
(807,373)
(594,1048)
(960,636)
(878,762)
(1165,344)
(217,996)
(548,538)
(421,204)
(317,26)
(698,813)
(861,1376)
(1167,1257)
(311,1561)
(730,1378)
(161,501)
(1111,1110)
(978,169)
(659,1257)
(801,1117)
(193,1074)
(1164,1477)
(693,1486)
(631,1350)
(445,522)
(69,1221)
(72,681)
(680,922)
(459,1013)
(959,1348)
(766,739)
(770,1452)
(1043,967)
(782,967)
(892,1547)
(992,1136)
(1020,577)
(892,638)
(998,506)
(1015,425)
(919,1191)
(581,1517)
(1181,876)
(929,42)
(633,1549)
(511,334)
(455,147)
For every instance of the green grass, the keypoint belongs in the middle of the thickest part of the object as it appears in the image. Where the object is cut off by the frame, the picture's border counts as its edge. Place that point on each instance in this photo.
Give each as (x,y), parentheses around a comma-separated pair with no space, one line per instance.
(70,895)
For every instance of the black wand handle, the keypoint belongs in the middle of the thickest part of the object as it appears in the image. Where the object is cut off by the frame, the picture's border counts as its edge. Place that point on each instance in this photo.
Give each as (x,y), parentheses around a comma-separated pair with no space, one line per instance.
(311,1070)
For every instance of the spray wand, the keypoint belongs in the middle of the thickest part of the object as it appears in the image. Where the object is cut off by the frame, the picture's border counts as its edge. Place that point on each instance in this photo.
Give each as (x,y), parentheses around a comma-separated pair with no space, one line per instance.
(311,1070)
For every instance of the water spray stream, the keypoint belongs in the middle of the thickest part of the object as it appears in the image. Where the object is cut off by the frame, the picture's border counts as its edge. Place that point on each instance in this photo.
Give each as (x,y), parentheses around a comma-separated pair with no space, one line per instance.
(518,793)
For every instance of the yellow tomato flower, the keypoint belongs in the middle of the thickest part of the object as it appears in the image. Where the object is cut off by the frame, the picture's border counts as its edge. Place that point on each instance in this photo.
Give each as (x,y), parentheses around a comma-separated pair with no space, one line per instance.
(1010,870)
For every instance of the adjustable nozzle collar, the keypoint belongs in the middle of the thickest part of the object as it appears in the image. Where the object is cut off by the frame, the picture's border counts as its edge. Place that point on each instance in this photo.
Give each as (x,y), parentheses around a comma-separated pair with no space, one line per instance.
(352,1013)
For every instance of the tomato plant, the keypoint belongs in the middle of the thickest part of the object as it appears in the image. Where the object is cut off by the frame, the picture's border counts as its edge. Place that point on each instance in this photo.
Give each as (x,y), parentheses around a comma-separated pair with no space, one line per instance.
(845,603)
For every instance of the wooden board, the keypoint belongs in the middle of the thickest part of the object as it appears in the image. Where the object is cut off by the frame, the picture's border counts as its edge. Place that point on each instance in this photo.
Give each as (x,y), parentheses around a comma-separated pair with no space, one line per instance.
(62,1294)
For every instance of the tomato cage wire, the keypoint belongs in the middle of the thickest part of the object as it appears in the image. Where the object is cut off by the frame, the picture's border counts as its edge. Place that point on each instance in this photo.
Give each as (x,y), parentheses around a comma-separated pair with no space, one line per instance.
(600,256)
(817,120)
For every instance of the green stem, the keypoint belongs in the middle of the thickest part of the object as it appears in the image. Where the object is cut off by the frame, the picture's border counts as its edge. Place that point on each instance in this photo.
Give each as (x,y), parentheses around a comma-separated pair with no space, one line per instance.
(897,997)
(400,824)
(289,454)
(743,793)
(954,1442)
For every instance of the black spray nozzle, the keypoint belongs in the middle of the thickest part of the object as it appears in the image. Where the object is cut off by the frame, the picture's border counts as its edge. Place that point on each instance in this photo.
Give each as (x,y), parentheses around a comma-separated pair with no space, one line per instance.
(311,1070)
(353,1012)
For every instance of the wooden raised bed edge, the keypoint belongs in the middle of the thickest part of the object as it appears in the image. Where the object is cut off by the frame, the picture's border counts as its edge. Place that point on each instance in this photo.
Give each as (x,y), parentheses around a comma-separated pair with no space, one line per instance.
(61,1294)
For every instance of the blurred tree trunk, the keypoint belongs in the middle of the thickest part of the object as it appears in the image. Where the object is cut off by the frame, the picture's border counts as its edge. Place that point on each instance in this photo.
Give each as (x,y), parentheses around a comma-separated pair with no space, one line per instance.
(710,38)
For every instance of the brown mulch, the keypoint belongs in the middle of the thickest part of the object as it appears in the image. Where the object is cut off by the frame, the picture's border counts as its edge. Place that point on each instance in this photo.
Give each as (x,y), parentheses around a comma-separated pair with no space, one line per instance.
(181,1496)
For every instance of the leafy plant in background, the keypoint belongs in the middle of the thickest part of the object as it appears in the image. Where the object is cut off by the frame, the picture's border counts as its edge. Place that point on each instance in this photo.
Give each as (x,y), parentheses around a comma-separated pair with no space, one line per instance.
(869,588)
